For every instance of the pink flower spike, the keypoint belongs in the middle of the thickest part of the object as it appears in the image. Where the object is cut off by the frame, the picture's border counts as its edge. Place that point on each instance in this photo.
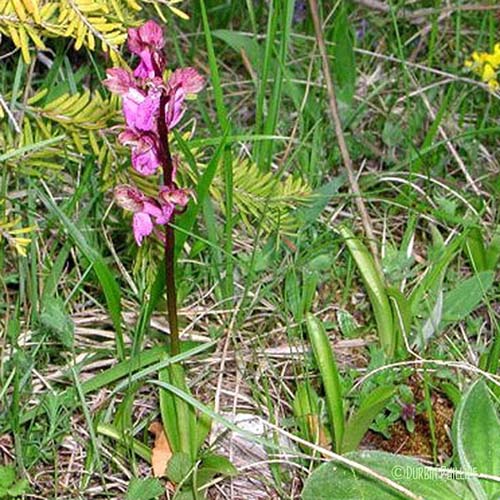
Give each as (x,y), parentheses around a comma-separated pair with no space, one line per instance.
(142,226)
(118,80)
(188,79)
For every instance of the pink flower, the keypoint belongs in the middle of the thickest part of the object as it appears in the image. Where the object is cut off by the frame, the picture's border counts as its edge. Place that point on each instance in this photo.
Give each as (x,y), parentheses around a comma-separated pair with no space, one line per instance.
(174,196)
(188,79)
(147,211)
(142,93)
(145,155)
(182,82)
(119,80)
(174,109)
(147,42)
(148,36)
(140,109)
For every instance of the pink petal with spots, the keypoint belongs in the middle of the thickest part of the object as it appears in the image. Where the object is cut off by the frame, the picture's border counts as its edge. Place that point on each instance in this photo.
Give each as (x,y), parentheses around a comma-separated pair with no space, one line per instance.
(149,34)
(118,80)
(129,198)
(146,114)
(188,79)
(174,196)
(141,110)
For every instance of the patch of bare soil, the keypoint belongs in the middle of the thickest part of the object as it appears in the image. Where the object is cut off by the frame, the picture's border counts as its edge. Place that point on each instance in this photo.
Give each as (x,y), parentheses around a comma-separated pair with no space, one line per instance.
(419,442)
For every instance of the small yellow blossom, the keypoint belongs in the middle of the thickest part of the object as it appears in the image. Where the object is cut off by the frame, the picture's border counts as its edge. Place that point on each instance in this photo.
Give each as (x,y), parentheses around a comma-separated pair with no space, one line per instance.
(15,236)
(486,65)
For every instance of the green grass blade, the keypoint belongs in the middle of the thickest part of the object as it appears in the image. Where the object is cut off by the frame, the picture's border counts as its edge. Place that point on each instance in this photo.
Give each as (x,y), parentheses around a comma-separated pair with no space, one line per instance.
(109,285)
(186,222)
(222,115)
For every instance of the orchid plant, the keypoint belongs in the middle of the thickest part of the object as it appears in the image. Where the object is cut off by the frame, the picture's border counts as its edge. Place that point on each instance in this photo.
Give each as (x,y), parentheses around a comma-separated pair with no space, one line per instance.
(153,104)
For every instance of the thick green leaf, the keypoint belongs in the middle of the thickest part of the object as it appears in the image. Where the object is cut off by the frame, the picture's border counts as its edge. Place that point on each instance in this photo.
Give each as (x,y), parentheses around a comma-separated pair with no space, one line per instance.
(435,269)
(179,467)
(463,299)
(242,41)
(212,466)
(144,489)
(7,476)
(220,464)
(333,481)
(361,420)
(477,439)
(330,377)
(493,251)
(344,67)
(306,408)
(376,290)
(476,251)
(55,318)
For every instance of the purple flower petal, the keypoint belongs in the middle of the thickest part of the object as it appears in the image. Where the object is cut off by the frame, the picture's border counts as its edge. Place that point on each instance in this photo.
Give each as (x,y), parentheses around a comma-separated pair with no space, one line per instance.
(129,198)
(149,35)
(145,157)
(174,109)
(118,80)
(167,210)
(152,208)
(146,67)
(142,226)
(140,110)
(147,42)
(146,113)
(188,79)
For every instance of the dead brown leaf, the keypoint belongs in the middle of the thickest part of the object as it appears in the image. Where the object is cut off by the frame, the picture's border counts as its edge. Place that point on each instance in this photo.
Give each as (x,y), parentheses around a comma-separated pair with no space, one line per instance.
(161,451)
(317,429)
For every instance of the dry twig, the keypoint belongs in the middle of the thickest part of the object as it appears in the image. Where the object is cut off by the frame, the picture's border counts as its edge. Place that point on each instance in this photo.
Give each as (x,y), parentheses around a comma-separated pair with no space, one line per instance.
(346,158)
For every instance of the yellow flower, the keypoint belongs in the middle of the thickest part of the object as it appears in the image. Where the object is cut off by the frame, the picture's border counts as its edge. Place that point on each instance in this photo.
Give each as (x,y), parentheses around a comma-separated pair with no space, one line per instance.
(485,65)
(494,85)
(488,73)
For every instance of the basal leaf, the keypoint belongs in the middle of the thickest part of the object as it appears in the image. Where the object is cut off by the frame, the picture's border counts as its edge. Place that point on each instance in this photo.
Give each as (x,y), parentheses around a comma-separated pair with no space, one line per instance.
(333,481)
(144,489)
(477,439)
(459,302)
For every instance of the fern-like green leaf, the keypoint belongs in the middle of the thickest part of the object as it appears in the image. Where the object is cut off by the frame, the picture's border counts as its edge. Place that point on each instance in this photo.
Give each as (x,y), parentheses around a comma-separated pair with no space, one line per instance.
(95,24)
